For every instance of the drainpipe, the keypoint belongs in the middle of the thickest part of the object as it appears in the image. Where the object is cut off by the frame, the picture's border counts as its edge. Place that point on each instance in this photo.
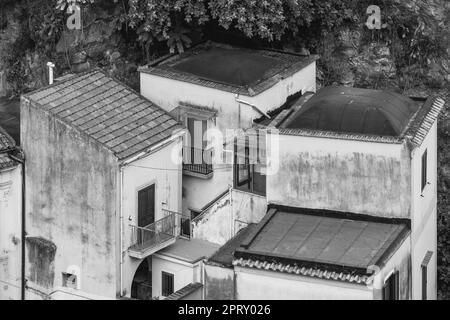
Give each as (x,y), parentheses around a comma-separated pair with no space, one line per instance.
(23,233)
(238,100)
(50,66)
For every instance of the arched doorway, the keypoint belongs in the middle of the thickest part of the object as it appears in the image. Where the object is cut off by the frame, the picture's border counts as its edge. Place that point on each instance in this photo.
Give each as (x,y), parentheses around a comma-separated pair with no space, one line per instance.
(141,287)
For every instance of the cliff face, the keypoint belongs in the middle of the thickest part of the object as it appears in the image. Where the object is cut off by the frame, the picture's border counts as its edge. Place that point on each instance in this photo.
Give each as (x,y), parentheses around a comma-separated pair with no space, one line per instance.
(34,32)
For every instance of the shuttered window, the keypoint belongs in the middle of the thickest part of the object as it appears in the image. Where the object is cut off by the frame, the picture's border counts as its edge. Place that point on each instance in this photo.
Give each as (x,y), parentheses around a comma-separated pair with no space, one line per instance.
(391,287)
(146,206)
(167,283)
(424,169)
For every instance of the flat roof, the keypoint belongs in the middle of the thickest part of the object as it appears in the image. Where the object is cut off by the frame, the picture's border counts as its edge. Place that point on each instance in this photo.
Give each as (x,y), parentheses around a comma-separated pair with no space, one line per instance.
(358,114)
(235,69)
(190,250)
(327,240)
(108,111)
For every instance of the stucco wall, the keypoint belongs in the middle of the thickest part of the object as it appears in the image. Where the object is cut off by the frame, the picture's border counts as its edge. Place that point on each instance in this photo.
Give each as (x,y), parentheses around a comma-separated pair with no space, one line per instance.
(215,224)
(70,206)
(424,223)
(247,208)
(10,232)
(232,212)
(219,283)
(259,285)
(198,192)
(342,175)
(184,273)
(159,169)
(167,93)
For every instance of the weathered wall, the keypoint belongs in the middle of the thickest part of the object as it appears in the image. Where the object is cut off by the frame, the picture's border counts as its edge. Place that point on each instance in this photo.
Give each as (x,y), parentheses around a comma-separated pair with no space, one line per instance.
(215,223)
(232,212)
(247,208)
(219,283)
(10,232)
(268,285)
(342,175)
(70,206)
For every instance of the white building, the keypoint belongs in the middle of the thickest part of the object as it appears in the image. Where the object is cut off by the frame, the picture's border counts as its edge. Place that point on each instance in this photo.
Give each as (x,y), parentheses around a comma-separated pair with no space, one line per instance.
(356,179)
(211,89)
(103,181)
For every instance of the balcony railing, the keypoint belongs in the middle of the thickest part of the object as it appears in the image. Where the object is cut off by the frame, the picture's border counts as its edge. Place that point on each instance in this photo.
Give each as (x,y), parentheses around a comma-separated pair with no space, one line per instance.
(158,235)
(197,160)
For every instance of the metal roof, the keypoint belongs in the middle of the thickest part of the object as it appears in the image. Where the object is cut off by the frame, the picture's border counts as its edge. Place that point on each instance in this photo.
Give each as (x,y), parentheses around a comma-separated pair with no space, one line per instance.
(228,68)
(108,111)
(318,241)
(355,110)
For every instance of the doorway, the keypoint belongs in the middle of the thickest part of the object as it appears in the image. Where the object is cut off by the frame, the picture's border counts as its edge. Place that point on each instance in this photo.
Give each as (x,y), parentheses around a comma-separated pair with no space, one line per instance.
(146,206)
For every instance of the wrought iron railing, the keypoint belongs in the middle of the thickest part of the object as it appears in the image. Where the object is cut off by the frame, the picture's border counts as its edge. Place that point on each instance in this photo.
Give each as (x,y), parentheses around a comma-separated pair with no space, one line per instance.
(197,160)
(172,225)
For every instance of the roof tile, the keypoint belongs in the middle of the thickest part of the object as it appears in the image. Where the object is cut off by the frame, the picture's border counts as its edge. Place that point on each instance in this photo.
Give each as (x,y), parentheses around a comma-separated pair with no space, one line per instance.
(108,111)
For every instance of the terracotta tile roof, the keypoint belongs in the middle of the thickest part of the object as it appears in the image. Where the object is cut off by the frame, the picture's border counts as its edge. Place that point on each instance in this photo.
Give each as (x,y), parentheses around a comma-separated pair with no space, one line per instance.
(295,268)
(185,291)
(237,70)
(6,162)
(424,119)
(108,111)
(321,243)
(6,142)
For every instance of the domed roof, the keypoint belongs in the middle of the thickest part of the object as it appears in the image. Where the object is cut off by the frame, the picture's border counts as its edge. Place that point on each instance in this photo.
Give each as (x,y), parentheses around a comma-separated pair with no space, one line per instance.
(355,110)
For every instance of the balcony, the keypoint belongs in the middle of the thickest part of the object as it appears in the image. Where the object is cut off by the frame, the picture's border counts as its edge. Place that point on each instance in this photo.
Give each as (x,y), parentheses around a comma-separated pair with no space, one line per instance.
(197,162)
(162,233)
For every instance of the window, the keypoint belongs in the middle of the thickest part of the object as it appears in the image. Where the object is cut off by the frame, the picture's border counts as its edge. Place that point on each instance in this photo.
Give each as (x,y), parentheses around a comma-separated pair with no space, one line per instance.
(166,284)
(424,170)
(424,266)
(248,176)
(186,226)
(391,287)
(69,280)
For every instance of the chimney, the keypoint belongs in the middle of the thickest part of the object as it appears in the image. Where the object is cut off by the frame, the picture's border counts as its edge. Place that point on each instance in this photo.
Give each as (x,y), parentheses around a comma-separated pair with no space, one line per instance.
(50,66)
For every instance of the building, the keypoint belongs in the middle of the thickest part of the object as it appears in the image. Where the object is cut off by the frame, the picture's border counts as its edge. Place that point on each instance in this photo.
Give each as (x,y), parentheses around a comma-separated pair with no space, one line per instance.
(328,195)
(352,207)
(216,90)
(103,187)
(10,217)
